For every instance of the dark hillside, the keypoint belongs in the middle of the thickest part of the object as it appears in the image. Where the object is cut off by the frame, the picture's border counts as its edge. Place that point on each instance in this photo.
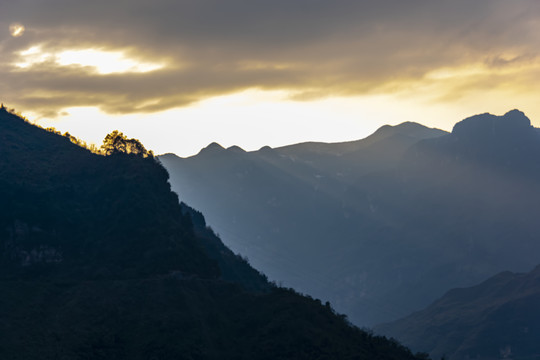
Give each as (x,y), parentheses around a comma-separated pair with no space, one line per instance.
(99,260)
(499,318)
(64,207)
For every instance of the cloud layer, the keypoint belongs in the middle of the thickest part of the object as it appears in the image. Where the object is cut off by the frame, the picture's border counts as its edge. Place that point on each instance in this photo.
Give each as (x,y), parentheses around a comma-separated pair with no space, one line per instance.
(312,48)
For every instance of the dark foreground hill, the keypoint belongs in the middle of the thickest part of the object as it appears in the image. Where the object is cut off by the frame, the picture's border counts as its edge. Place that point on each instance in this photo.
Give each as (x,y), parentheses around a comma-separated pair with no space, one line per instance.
(382,226)
(500,318)
(99,260)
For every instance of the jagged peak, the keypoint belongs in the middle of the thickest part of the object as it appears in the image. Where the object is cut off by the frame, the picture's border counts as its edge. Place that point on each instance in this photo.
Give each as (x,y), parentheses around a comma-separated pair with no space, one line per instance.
(212,149)
(236,149)
(267,151)
(214,145)
(515,113)
(406,128)
(486,123)
(169,155)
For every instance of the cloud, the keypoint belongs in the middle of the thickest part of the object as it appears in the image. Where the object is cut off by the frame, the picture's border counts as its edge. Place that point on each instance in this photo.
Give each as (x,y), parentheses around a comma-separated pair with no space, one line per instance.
(16,29)
(312,48)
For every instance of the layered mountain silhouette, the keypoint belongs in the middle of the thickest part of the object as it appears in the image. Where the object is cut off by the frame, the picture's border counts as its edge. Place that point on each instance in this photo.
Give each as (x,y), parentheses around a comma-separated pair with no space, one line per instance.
(382,226)
(497,319)
(98,259)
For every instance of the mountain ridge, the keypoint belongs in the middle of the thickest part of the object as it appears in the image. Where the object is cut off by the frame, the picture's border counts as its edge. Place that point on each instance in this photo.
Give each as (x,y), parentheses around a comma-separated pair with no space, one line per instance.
(407,127)
(429,213)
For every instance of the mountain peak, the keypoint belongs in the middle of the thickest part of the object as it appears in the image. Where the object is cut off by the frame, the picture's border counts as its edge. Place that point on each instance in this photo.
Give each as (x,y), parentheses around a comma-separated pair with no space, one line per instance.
(235,149)
(407,128)
(212,148)
(487,124)
(516,114)
(214,145)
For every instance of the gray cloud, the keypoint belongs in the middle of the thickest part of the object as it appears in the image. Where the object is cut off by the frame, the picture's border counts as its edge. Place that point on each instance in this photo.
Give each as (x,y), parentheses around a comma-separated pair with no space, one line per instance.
(312,47)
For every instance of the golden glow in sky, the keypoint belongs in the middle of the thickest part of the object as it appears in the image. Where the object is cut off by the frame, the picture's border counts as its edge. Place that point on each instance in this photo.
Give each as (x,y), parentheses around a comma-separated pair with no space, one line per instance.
(16,29)
(102,62)
(105,62)
(179,75)
(244,118)
(254,118)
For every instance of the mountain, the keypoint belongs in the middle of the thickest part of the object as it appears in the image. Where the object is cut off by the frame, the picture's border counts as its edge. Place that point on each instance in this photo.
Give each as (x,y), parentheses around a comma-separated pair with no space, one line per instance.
(290,202)
(497,319)
(361,224)
(455,210)
(355,158)
(99,259)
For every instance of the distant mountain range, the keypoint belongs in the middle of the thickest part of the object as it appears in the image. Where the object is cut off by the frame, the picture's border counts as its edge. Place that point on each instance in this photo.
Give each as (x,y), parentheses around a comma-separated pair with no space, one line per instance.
(498,319)
(100,260)
(381,226)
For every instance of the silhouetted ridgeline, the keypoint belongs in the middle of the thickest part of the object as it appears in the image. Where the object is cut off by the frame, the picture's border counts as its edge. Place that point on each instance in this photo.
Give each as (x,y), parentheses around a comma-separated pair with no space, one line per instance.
(381,226)
(98,259)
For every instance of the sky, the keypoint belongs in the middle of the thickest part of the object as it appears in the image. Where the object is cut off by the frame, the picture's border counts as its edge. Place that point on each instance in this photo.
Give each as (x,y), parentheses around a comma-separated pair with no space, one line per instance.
(180,74)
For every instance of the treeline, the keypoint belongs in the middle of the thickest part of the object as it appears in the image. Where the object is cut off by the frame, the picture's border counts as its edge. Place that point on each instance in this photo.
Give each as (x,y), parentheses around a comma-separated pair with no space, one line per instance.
(114,143)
